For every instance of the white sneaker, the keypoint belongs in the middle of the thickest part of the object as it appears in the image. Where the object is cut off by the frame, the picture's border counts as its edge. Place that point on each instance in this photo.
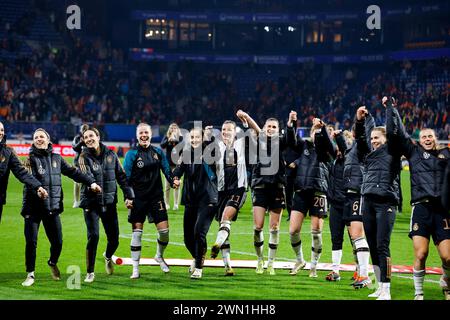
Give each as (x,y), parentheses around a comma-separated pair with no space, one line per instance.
(385,294)
(90,277)
(197,274)
(418,297)
(28,281)
(135,274)
(260,267)
(375,294)
(299,265)
(313,272)
(192,267)
(162,264)
(175,207)
(271,269)
(109,265)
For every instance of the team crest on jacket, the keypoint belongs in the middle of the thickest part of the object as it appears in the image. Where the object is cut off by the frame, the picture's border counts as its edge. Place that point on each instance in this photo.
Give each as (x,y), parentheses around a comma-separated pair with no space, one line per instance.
(95,167)
(140,163)
(41,170)
(155,156)
(2,158)
(54,164)
(415,227)
(426,155)
(306,152)
(441,156)
(109,159)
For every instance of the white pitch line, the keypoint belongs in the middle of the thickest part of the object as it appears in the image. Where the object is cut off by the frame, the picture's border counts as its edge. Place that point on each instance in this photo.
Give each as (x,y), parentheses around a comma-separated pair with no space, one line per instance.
(182,245)
(254,255)
(411,278)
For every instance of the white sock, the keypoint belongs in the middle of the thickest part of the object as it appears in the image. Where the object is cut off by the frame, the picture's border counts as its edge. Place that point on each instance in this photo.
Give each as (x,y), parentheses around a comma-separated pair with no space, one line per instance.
(258,238)
(363,254)
(419,277)
(355,257)
(163,240)
(296,244)
(224,232)
(136,247)
(316,249)
(336,259)
(226,253)
(274,238)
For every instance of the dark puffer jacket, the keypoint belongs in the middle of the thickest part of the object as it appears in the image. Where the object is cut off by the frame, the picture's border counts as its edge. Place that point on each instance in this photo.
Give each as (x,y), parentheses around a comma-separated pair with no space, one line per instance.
(336,187)
(313,163)
(10,162)
(105,167)
(353,167)
(381,168)
(427,168)
(47,168)
(200,180)
(268,150)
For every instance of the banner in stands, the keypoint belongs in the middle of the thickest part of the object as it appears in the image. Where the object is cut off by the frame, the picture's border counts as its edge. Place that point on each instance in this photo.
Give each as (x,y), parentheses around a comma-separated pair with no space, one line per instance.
(63,150)
(390,12)
(139,54)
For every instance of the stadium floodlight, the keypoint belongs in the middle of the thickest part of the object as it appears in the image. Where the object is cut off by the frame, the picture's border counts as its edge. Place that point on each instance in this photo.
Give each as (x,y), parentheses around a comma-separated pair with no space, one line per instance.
(267,28)
(291,28)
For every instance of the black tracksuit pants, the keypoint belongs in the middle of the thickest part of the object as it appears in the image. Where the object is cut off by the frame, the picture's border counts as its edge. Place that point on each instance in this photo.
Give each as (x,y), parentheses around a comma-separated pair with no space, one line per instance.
(197,220)
(53,229)
(108,215)
(378,220)
(337,226)
(290,181)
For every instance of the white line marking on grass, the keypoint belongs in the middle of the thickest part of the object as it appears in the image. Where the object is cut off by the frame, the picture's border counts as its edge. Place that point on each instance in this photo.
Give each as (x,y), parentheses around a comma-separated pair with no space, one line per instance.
(411,278)
(182,245)
(125,236)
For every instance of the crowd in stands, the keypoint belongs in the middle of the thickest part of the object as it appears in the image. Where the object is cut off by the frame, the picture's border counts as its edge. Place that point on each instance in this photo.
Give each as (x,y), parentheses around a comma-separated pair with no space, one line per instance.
(93,82)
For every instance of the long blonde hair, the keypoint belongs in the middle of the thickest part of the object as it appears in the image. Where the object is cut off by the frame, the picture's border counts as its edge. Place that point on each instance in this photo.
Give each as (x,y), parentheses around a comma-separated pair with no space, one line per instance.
(175,126)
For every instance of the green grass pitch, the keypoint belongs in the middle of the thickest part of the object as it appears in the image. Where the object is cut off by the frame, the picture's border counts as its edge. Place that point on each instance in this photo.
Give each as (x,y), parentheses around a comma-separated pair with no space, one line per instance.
(153,284)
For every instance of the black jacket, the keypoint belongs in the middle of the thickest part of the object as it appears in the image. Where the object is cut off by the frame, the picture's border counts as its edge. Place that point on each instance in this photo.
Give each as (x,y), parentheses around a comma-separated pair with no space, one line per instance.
(200,180)
(143,167)
(353,166)
(427,168)
(290,154)
(47,168)
(10,162)
(381,167)
(265,149)
(313,163)
(77,146)
(106,169)
(169,147)
(336,187)
(446,189)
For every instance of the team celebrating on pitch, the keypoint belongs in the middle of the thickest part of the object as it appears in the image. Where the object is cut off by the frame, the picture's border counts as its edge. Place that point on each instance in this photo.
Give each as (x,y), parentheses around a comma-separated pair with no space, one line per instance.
(351,176)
